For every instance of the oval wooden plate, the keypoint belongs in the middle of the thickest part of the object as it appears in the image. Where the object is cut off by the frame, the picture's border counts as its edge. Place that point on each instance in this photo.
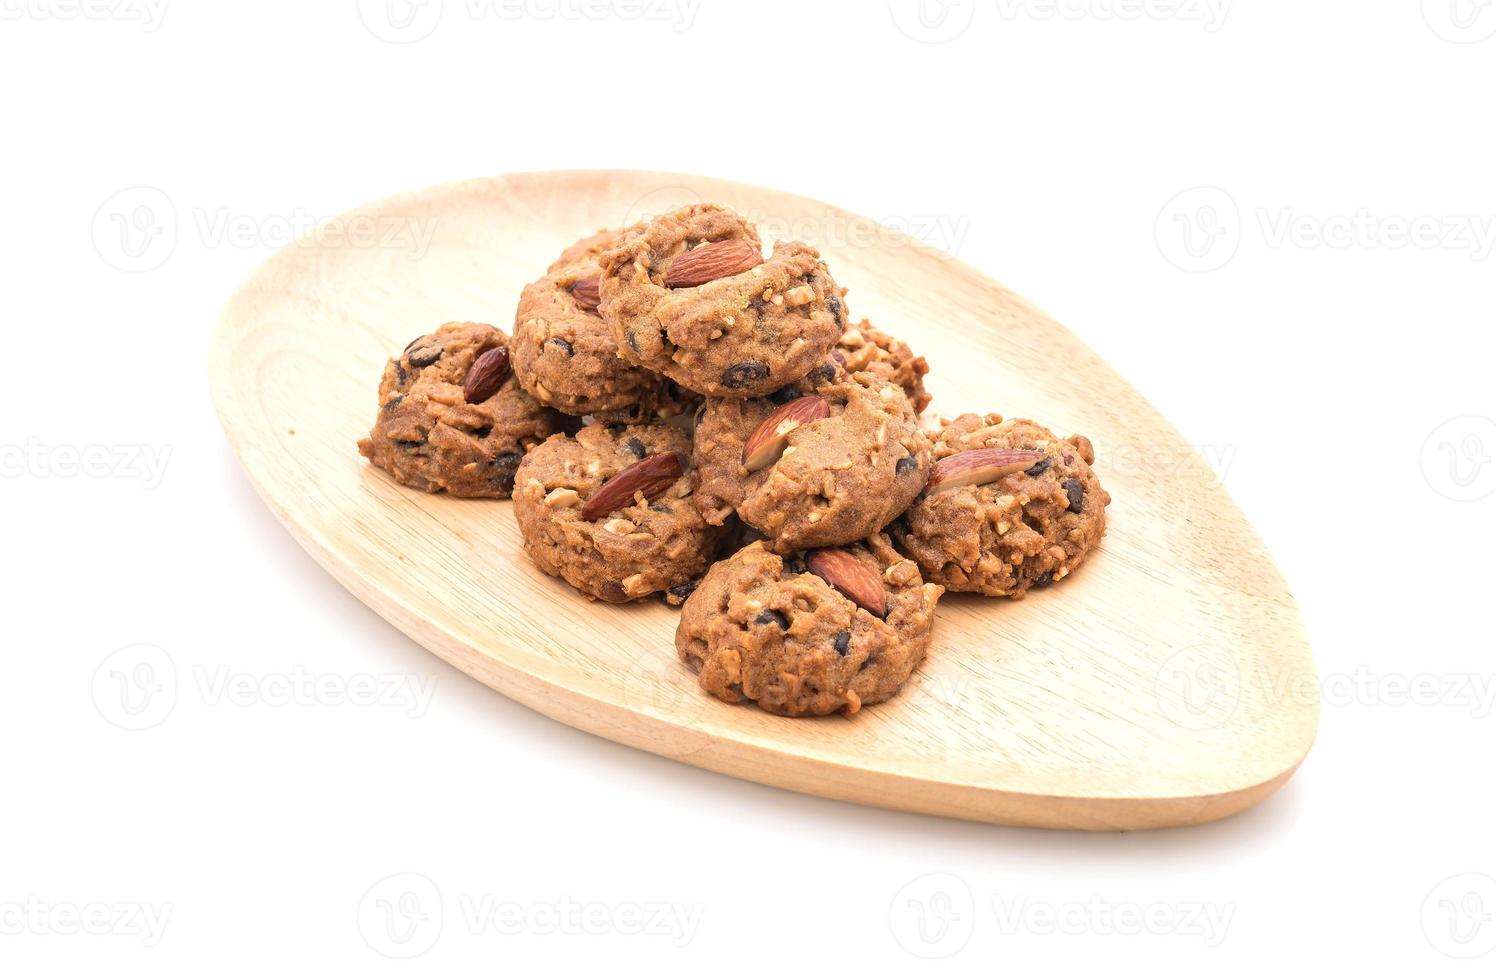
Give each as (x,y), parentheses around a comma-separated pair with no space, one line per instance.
(1167,682)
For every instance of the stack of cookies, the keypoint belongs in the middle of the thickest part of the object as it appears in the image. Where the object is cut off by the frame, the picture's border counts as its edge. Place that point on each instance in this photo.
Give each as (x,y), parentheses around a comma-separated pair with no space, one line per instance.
(678,416)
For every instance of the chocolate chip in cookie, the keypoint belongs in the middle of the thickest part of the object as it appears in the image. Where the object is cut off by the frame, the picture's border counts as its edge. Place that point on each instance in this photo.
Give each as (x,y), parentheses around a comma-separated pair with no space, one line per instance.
(744,374)
(425,356)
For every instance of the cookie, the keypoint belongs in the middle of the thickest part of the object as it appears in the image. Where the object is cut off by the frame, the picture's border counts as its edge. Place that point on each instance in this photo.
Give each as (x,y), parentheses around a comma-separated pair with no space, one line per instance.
(691,297)
(820,463)
(610,511)
(1027,526)
(431,437)
(786,633)
(865,348)
(565,355)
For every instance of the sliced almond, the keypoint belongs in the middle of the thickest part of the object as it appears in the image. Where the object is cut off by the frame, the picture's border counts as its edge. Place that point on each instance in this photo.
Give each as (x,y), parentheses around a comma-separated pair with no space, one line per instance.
(978,466)
(850,577)
(486,376)
(714,260)
(767,443)
(650,476)
(585,292)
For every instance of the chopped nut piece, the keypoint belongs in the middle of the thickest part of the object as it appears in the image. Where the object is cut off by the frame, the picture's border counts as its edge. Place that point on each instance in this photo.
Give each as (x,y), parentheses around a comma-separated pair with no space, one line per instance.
(1083,446)
(800,295)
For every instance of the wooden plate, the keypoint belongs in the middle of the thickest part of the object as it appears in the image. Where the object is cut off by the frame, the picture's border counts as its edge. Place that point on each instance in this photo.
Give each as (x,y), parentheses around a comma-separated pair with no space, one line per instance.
(1167,682)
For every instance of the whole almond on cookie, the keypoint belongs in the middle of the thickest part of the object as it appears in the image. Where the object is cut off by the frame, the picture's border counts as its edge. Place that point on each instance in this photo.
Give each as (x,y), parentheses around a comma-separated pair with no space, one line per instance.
(978,466)
(766,444)
(487,375)
(650,476)
(850,577)
(714,260)
(585,292)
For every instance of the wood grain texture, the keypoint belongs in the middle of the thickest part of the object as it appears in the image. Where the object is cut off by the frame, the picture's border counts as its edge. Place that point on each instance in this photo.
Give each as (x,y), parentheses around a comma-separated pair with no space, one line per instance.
(1167,682)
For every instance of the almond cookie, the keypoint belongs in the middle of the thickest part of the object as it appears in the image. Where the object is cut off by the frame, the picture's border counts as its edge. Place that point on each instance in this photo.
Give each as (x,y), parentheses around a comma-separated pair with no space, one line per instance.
(452,418)
(821,463)
(610,511)
(1009,507)
(830,630)
(565,355)
(690,296)
(865,348)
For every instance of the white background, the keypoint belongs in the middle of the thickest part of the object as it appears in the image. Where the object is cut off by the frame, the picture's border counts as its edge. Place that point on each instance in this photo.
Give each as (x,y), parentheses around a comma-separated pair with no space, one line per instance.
(1296,319)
